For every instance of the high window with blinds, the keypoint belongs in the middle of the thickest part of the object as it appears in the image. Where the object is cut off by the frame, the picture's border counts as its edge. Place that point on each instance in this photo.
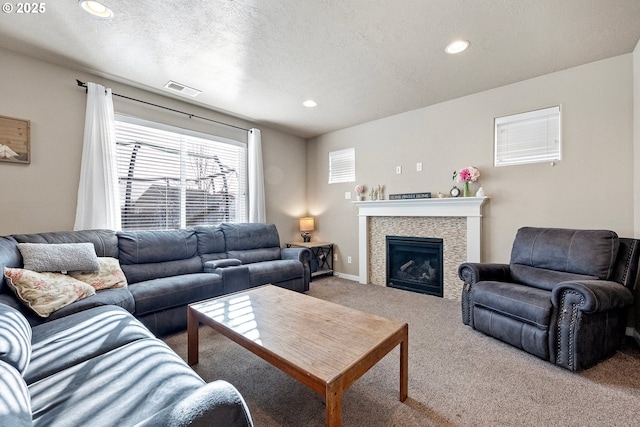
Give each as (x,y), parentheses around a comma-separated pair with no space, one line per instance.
(528,137)
(342,166)
(172,178)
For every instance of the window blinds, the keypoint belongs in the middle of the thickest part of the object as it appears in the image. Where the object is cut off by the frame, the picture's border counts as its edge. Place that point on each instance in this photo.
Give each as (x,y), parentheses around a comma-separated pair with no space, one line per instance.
(528,137)
(342,166)
(172,178)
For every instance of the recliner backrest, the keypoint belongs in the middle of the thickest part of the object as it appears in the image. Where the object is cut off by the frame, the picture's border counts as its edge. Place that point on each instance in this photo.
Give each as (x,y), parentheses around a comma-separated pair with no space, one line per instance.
(542,257)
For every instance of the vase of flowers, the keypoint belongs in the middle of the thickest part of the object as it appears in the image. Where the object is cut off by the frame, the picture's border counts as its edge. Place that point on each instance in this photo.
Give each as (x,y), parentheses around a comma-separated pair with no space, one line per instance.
(360,189)
(467,175)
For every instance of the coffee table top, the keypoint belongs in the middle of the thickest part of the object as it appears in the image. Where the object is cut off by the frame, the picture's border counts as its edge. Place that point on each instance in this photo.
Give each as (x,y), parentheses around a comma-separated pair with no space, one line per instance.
(314,339)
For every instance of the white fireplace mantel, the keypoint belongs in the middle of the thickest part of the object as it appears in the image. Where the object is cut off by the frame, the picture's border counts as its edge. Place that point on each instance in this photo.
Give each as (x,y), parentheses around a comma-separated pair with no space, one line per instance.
(469,207)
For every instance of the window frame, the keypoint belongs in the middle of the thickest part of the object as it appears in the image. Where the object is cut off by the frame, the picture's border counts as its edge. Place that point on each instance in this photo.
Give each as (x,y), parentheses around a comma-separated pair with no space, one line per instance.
(537,122)
(342,166)
(191,138)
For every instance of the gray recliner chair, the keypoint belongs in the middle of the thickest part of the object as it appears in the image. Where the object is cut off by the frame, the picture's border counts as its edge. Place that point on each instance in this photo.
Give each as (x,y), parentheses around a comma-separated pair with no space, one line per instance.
(563,297)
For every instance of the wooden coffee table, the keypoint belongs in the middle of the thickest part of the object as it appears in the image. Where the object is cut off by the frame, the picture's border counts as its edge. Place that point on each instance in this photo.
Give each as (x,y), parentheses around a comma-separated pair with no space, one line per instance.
(323,345)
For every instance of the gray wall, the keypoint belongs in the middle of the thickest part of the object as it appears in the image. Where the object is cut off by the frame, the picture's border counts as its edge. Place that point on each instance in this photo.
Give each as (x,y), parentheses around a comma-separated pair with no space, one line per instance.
(591,187)
(42,196)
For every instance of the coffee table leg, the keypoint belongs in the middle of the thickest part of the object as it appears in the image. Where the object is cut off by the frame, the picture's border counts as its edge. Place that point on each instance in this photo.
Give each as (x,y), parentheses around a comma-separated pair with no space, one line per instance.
(334,407)
(192,337)
(404,365)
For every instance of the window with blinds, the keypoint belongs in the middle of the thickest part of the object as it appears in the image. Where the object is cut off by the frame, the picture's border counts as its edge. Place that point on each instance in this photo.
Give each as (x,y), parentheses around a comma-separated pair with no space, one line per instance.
(528,137)
(172,178)
(342,166)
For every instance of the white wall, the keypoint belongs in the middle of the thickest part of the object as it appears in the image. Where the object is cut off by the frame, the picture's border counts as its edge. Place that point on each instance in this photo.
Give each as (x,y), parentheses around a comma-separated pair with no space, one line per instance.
(636,138)
(592,187)
(41,196)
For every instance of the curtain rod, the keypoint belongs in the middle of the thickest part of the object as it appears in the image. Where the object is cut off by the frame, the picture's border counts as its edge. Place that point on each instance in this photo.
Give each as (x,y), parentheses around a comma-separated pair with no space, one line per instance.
(84,85)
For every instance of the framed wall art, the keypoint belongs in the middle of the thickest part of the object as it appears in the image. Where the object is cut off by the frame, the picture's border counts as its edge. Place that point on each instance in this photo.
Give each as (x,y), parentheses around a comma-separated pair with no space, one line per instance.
(15,139)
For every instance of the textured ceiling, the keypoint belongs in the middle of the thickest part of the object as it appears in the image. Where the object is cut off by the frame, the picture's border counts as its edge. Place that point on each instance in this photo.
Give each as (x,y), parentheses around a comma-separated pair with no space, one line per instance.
(359,59)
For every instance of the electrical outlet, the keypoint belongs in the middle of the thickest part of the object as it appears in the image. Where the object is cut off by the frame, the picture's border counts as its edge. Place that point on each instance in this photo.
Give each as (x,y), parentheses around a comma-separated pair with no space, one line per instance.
(398,170)
(348,260)
(347,195)
(419,167)
(335,257)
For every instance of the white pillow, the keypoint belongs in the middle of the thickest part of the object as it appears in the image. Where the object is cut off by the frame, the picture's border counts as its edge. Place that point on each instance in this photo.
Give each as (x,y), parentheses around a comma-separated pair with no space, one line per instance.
(61,257)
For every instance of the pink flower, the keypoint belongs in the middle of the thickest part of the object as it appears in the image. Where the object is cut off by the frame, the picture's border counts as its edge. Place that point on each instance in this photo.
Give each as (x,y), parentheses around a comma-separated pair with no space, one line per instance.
(468,174)
(359,189)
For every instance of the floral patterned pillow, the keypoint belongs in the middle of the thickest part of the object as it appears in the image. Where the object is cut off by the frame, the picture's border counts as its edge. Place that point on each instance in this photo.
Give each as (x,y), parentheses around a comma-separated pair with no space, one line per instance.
(109,276)
(46,292)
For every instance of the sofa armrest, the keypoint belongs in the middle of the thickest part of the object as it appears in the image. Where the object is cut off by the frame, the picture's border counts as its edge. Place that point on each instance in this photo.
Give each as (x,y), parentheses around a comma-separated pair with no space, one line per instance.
(214,404)
(590,323)
(591,296)
(301,254)
(211,266)
(472,273)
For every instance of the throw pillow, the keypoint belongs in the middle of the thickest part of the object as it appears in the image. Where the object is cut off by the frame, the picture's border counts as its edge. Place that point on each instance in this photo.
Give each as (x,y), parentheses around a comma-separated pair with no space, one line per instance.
(45,293)
(109,276)
(59,256)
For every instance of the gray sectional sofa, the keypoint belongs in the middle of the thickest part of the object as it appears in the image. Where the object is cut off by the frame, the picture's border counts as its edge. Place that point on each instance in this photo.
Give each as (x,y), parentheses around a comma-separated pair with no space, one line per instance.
(102,367)
(167,270)
(96,361)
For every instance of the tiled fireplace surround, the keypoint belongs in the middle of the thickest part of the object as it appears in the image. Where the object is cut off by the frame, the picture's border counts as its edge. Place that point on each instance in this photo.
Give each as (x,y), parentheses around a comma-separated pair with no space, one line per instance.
(456,220)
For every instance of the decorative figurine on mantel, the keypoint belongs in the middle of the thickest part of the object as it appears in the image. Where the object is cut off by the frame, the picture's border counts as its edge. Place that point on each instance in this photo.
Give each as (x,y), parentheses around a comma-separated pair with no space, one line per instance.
(377,193)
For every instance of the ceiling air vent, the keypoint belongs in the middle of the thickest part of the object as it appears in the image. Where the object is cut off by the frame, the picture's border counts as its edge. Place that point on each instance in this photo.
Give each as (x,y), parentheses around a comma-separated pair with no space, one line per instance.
(185,90)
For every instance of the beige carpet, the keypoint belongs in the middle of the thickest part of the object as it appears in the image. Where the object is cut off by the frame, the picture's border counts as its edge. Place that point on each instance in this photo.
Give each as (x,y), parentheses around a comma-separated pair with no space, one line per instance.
(457,376)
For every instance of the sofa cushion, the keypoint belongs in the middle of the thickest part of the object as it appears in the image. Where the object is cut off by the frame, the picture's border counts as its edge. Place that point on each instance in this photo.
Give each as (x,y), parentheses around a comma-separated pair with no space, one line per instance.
(239,237)
(261,273)
(110,275)
(72,339)
(15,338)
(120,297)
(59,257)
(104,242)
(248,256)
(15,402)
(211,245)
(142,272)
(46,292)
(520,302)
(587,252)
(160,294)
(146,247)
(118,388)
(541,277)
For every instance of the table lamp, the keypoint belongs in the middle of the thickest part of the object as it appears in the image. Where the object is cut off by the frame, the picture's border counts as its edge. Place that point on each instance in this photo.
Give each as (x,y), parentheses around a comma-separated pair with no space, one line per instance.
(306,225)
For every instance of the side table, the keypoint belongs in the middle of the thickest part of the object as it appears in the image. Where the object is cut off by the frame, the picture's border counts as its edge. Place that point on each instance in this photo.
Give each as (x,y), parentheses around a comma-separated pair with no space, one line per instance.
(322,253)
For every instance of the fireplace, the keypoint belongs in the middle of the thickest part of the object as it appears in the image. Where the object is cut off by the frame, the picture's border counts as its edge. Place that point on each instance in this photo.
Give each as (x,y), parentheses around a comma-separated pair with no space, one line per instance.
(415,264)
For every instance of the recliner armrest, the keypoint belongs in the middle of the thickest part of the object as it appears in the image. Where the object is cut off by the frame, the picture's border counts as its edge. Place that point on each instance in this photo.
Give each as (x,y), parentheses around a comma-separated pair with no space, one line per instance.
(594,296)
(472,273)
(214,404)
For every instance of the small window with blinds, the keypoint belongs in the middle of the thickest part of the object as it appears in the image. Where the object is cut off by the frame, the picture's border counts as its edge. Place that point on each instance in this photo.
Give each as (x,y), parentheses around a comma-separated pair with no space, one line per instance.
(342,166)
(528,137)
(172,178)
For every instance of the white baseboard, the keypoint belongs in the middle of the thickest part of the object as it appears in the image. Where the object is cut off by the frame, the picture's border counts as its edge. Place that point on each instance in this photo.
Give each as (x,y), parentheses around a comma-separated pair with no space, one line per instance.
(347,276)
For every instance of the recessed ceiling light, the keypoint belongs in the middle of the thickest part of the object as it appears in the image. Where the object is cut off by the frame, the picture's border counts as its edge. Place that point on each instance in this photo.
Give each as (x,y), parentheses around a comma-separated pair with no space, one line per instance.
(310,103)
(456,46)
(96,8)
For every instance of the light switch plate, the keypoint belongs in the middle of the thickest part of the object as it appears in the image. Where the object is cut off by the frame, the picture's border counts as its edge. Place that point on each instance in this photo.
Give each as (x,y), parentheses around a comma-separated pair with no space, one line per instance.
(347,195)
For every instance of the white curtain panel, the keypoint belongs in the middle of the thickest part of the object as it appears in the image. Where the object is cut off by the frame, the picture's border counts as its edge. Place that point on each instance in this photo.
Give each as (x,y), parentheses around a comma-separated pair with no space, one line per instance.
(257,211)
(98,193)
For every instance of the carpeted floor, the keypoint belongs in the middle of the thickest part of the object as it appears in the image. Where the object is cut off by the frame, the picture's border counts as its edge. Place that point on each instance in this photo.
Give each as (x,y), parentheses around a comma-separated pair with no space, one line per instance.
(457,376)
